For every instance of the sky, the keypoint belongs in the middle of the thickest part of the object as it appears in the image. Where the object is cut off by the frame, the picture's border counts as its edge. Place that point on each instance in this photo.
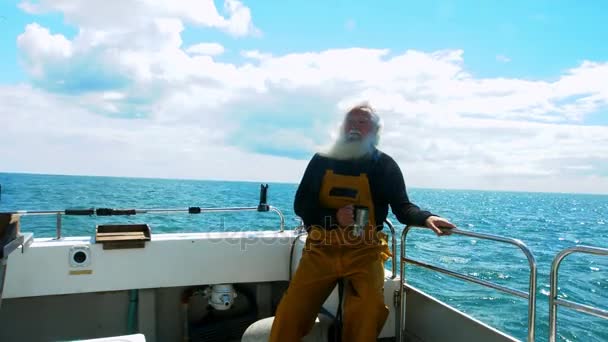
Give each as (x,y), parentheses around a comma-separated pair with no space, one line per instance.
(489,95)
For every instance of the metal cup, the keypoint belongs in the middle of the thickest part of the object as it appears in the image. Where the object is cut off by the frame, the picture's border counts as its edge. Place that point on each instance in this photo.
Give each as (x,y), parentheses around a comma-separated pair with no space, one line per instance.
(361,220)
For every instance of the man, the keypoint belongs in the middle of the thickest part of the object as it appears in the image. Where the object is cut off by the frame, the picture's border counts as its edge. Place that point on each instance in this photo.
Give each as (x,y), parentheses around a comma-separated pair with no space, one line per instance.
(351,176)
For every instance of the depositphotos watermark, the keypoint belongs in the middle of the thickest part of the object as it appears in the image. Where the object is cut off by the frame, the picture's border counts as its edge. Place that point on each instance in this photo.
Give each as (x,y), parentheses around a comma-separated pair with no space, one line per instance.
(317,236)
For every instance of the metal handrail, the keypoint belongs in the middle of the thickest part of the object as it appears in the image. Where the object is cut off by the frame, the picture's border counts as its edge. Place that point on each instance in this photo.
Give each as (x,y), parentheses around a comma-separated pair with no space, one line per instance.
(90,212)
(531,295)
(393,247)
(554,301)
(394,270)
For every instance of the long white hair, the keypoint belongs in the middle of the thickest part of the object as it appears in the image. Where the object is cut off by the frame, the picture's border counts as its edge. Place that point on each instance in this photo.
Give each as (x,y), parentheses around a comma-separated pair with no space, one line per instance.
(345,148)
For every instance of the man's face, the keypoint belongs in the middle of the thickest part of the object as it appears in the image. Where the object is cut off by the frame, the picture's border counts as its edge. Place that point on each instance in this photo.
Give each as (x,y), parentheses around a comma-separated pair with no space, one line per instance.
(358,125)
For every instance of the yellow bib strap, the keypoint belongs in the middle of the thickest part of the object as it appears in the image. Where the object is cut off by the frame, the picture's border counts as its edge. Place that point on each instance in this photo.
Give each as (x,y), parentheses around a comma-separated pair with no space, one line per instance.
(338,191)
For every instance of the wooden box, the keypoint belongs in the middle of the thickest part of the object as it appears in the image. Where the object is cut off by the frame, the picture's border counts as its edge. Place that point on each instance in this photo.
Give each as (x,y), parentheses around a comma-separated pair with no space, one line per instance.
(121,236)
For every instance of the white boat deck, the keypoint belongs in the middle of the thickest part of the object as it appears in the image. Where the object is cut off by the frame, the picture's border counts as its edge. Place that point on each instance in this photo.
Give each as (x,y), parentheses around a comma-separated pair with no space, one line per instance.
(94,293)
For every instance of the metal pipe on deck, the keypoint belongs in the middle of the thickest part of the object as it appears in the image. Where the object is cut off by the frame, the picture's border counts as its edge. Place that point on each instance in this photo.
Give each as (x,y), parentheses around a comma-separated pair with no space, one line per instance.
(128,212)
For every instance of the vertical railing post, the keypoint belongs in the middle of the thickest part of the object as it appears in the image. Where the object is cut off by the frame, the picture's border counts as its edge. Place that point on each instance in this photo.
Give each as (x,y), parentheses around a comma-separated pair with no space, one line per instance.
(58,227)
(554,301)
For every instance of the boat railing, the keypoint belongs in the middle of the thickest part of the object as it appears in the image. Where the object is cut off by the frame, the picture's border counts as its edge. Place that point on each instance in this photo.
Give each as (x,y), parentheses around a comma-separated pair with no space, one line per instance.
(530,295)
(261,207)
(393,248)
(554,301)
(394,270)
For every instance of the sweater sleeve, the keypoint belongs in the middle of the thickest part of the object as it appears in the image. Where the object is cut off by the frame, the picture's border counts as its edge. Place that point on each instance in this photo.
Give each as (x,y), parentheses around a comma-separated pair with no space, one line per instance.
(306,202)
(405,211)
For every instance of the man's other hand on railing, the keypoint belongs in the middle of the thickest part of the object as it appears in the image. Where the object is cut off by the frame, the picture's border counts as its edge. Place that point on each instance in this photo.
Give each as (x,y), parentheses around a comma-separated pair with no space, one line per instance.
(436,223)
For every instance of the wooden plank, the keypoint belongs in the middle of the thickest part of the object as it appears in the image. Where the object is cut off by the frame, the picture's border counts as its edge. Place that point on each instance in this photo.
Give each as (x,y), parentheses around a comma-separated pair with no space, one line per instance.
(138,236)
(120,233)
(121,238)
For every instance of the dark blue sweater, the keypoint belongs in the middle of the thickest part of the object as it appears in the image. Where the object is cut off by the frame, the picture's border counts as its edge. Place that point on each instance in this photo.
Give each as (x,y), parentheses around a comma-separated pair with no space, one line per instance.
(386,184)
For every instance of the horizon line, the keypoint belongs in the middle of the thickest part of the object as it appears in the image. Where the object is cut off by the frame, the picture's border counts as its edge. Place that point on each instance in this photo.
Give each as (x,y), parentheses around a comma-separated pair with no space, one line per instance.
(288,183)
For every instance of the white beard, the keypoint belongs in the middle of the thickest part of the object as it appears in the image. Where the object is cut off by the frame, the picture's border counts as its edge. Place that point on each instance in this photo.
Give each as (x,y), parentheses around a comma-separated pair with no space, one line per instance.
(353,148)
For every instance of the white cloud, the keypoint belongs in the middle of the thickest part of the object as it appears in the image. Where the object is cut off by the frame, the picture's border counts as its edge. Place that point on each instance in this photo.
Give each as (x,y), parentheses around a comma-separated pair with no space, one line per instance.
(586,83)
(30,8)
(53,133)
(132,91)
(208,49)
(42,49)
(240,22)
(255,54)
(112,15)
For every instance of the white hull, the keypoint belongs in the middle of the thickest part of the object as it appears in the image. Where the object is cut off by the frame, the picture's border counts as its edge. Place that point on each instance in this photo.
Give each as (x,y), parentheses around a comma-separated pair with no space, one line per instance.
(48,296)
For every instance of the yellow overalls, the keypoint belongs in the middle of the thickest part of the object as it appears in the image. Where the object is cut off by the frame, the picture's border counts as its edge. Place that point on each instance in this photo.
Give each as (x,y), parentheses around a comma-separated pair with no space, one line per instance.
(333,254)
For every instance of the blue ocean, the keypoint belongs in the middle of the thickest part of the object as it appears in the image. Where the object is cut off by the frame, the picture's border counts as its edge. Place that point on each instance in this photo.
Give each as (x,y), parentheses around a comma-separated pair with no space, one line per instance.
(545,222)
